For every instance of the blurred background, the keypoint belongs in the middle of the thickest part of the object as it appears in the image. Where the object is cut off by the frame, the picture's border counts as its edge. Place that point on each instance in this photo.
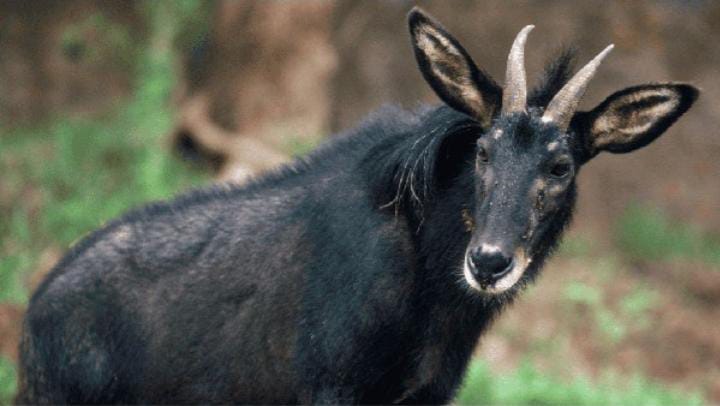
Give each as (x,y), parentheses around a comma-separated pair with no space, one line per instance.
(105,105)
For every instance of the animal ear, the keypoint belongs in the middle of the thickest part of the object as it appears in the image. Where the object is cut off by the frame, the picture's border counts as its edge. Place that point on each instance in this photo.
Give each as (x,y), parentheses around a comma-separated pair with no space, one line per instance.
(450,71)
(634,117)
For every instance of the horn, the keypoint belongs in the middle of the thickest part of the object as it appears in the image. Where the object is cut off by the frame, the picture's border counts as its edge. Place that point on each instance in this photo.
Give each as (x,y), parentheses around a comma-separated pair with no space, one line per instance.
(515,90)
(562,107)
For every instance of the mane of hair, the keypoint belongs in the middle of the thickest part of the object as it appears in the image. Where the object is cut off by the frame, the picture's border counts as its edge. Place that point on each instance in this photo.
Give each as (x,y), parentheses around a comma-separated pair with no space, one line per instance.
(403,169)
(557,72)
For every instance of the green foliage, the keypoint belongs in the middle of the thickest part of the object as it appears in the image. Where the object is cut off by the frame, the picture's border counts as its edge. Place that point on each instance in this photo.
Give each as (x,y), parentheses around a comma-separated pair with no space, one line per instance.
(574,246)
(64,179)
(581,293)
(8,381)
(592,298)
(12,287)
(637,304)
(614,323)
(644,233)
(527,385)
(299,146)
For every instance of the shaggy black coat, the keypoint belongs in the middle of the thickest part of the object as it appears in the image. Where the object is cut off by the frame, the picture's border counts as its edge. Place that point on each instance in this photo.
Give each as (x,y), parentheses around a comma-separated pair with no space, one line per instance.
(337,278)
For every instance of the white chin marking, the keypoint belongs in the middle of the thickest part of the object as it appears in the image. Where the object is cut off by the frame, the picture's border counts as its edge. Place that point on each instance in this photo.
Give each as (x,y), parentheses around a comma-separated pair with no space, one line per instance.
(489,249)
(506,282)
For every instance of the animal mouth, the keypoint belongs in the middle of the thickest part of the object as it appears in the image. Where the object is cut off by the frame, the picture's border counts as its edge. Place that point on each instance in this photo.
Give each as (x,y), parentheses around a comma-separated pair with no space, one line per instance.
(501,281)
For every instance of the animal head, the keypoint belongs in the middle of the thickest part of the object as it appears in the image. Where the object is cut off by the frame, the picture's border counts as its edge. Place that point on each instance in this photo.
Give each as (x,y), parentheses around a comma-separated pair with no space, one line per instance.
(528,153)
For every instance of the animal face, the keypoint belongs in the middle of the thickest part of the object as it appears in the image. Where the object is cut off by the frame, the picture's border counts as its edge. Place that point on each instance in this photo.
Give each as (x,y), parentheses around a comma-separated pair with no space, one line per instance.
(528,155)
(524,173)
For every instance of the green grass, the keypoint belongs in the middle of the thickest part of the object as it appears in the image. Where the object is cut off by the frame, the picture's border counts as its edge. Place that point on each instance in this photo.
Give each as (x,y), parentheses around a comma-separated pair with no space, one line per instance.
(608,322)
(301,146)
(529,386)
(62,180)
(8,380)
(643,233)
(68,179)
(576,246)
(614,323)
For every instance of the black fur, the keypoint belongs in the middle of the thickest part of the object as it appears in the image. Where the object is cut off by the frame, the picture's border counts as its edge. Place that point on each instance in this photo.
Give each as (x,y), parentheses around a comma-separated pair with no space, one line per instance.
(362,294)
(556,74)
(336,279)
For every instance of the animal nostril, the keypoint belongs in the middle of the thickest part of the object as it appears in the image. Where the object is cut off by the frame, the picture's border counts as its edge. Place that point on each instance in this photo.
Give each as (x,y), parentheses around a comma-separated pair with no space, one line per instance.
(496,265)
(489,267)
(504,266)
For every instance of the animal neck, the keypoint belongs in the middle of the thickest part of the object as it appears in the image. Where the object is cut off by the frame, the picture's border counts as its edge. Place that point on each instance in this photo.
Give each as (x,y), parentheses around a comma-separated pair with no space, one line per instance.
(423,177)
(442,239)
(434,209)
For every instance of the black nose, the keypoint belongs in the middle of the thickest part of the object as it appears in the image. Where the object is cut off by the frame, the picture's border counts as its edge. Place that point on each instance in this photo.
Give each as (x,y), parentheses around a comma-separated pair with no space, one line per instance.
(489,267)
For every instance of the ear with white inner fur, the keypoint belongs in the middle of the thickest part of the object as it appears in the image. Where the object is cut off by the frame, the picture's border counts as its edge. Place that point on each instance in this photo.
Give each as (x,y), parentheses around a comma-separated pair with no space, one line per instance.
(633,117)
(450,71)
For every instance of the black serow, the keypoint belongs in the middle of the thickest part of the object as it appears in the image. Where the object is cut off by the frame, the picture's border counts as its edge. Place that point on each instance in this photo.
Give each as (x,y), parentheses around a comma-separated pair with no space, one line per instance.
(365,273)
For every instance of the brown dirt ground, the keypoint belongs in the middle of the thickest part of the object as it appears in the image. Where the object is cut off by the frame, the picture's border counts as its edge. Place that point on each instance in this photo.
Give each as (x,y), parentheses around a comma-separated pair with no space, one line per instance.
(675,340)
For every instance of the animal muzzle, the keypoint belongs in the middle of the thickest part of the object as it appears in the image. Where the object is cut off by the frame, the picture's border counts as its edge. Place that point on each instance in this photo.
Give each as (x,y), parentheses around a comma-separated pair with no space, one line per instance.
(494,270)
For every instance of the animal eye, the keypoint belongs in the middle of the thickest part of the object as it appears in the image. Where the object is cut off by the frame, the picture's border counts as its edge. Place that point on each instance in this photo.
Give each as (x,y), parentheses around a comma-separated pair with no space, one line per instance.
(560,169)
(482,154)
